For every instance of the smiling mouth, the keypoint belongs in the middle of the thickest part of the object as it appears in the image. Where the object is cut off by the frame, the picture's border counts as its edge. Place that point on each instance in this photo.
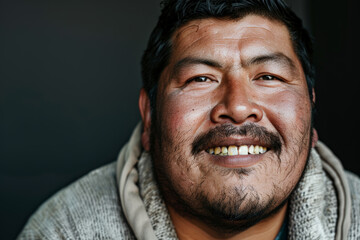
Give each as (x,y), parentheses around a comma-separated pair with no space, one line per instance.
(237,150)
(241,142)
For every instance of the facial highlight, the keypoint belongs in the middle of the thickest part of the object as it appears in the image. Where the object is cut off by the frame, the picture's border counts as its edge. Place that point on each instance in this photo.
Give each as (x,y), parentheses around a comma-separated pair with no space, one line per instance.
(232,128)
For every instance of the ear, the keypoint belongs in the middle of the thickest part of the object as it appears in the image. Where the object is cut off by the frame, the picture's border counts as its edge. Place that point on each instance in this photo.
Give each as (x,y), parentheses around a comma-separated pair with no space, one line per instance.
(315,136)
(313,96)
(145,111)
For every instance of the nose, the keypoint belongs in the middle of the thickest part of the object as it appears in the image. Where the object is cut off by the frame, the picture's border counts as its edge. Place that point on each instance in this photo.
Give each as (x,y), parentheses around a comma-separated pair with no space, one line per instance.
(236,104)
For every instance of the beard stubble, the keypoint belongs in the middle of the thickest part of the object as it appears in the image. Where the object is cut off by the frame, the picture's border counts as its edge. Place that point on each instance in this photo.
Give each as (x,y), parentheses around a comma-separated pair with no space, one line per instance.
(232,208)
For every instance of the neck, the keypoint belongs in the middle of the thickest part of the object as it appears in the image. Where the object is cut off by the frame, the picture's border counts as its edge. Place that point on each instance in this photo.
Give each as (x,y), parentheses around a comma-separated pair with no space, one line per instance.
(188,228)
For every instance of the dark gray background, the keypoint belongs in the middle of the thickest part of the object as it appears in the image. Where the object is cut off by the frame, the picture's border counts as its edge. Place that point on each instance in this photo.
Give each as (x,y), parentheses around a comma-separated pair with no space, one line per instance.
(70,79)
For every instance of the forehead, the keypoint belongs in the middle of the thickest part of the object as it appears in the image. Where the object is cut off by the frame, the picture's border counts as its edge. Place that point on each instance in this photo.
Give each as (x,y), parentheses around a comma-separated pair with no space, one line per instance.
(249,35)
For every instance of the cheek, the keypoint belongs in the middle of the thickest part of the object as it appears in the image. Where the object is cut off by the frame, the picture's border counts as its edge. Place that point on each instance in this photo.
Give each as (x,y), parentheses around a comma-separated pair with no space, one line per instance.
(290,113)
(183,114)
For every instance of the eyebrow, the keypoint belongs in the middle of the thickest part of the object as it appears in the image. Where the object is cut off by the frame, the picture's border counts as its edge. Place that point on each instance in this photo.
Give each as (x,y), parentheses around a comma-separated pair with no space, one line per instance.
(256,60)
(188,61)
(273,57)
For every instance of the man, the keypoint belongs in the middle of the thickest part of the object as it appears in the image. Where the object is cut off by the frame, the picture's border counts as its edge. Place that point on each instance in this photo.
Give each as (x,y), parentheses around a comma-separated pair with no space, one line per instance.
(226,148)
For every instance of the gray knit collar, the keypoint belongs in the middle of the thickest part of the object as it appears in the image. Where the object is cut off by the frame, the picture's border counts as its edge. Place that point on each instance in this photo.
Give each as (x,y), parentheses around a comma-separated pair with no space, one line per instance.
(313,204)
(312,209)
(154,203)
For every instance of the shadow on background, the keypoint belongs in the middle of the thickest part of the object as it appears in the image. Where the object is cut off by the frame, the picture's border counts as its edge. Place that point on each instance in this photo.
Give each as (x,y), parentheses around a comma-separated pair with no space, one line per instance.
(70,79)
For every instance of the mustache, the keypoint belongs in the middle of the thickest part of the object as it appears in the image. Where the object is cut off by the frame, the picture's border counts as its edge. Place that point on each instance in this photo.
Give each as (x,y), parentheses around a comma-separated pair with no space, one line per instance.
(216,134)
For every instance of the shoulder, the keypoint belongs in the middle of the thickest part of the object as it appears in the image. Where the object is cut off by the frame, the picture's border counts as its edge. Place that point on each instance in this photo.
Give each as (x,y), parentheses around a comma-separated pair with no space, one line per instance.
(354,185)
(87,209)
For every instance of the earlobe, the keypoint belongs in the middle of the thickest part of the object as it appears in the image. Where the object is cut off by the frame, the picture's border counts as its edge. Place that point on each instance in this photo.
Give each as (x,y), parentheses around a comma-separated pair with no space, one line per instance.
(145,111)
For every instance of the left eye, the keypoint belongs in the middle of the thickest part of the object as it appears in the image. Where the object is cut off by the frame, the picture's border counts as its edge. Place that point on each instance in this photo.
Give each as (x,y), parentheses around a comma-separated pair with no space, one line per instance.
(268,77)
(200,79)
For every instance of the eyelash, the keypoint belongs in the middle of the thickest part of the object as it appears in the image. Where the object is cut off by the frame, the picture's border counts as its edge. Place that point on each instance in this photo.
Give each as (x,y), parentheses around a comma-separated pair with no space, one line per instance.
(268,75)
(194,79)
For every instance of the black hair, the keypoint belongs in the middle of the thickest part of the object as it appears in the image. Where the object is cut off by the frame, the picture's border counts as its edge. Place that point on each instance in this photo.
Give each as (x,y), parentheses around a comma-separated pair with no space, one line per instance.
(177,13)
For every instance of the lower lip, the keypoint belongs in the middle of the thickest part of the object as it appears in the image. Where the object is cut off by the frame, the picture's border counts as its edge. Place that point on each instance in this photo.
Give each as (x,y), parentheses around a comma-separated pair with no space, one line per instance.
(237,161)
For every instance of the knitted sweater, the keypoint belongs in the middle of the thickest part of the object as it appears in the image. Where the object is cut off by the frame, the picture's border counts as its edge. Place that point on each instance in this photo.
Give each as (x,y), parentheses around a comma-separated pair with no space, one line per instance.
(121,201)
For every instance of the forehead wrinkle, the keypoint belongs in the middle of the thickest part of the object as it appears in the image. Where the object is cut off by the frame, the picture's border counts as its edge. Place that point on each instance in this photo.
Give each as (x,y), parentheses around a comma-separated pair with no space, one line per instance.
(193,27)
(203,25)
(184,29)
(208,31)
(185,38)
(249,31)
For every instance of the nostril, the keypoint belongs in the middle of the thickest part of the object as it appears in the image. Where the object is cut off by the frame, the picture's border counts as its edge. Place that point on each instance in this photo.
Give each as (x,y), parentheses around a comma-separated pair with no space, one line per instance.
(227,118)
(224,117)
(254,116)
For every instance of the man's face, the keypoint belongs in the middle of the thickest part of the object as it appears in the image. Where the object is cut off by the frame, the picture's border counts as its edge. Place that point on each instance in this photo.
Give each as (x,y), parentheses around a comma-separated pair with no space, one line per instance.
(236,86)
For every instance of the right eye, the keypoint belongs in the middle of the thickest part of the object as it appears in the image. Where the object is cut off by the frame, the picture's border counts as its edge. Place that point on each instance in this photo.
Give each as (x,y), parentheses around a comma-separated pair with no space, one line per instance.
(199,79)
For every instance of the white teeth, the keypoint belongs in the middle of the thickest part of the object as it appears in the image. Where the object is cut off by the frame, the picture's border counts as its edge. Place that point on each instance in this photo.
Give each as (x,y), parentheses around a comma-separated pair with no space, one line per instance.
(243,150)
(262,149)
(251,149)
(234,150)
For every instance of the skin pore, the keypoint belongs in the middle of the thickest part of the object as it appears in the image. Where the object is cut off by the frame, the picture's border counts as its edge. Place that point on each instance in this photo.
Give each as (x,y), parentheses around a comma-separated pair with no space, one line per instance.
(229,83)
